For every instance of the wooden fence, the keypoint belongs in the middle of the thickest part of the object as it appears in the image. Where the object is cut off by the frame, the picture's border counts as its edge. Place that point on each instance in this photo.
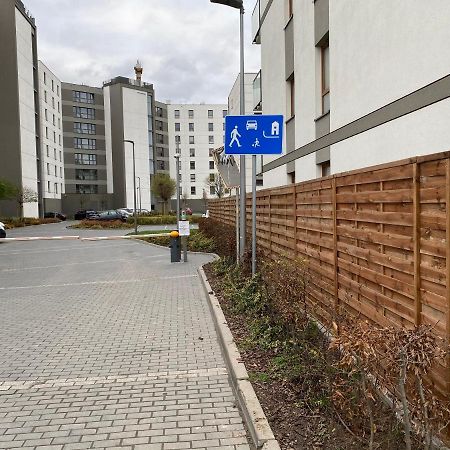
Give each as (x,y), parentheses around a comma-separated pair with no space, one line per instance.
(377,241)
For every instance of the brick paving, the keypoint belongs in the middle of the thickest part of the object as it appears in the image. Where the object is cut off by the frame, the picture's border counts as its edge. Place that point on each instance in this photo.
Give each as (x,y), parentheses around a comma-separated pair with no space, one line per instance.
(108,345)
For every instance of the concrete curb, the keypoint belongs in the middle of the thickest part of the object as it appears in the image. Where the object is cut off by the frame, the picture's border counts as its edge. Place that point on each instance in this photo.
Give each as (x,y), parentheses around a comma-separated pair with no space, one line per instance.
(256,420)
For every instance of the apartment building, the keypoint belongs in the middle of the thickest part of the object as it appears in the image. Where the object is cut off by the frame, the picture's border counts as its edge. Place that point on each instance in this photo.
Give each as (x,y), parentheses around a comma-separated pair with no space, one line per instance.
(359,83)
(130,115)
(85,157)
(20,145)
(52,150)
(198,129)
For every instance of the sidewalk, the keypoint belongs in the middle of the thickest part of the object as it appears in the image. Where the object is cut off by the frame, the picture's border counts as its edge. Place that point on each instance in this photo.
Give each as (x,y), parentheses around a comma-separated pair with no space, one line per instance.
(114,350)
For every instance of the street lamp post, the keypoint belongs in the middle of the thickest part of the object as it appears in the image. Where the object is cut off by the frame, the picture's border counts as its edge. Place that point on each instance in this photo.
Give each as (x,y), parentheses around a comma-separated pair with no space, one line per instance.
(239,4)
(140,196)
(134,185)
(177,158)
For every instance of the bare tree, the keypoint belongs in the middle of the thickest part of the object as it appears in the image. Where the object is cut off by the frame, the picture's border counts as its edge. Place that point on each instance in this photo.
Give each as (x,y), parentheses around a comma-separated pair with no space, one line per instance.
(25,195)
(218,185)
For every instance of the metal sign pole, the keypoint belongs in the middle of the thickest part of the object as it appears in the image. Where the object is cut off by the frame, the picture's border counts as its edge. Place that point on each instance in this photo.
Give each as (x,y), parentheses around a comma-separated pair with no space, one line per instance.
(237,225)
(253,215)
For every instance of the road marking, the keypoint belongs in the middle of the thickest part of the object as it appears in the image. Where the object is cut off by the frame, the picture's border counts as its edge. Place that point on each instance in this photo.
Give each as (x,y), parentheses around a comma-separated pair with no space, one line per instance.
(93,283)
(148,376)
(112,260)
(45,250)
(178,276)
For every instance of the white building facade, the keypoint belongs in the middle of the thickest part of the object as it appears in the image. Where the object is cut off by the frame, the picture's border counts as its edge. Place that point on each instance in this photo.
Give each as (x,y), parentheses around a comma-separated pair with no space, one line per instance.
(357,82)
(52,150)
(199,129)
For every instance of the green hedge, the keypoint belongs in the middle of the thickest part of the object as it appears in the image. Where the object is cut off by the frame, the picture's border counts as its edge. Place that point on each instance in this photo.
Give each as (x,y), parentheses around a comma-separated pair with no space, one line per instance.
(161,220)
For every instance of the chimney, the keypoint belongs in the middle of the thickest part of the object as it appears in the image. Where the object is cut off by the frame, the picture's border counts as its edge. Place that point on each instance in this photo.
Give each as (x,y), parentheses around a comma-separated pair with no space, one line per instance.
(138,69)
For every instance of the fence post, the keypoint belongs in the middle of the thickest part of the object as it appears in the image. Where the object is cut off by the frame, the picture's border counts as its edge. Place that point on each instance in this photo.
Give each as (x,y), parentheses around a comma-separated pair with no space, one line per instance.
(447,262)
(416,241)
(270,225)
(295,219)
(335,250)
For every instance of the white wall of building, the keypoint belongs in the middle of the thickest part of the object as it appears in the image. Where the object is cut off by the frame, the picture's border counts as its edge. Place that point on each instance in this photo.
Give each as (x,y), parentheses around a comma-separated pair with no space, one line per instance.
(52,154)
(273,83)
(135,125)
(202,144)
(108,140)
(26,110)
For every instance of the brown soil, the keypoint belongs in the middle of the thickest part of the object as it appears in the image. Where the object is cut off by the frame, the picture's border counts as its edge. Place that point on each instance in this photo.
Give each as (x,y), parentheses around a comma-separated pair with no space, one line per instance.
(295,424)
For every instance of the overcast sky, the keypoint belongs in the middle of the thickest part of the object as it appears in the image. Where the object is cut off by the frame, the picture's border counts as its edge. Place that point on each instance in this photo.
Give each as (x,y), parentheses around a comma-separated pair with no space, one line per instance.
(189,48)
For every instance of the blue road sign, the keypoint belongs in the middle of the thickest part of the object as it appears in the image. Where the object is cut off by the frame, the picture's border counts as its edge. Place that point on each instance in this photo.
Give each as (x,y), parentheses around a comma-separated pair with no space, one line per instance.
(254,135)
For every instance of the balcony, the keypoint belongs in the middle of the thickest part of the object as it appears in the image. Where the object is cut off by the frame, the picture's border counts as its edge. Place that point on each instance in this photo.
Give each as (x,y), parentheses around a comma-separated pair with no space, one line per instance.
(256,23)
(257,93)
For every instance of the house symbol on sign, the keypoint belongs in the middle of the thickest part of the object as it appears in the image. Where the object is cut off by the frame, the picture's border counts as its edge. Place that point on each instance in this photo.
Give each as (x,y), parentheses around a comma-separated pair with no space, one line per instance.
(275,129)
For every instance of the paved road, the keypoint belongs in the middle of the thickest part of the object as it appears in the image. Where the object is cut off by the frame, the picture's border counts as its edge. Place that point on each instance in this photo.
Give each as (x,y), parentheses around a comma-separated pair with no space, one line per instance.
(106,344)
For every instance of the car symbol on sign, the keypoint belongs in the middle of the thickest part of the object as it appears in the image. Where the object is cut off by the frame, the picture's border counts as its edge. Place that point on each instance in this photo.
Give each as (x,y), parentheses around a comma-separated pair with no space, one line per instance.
(252,125)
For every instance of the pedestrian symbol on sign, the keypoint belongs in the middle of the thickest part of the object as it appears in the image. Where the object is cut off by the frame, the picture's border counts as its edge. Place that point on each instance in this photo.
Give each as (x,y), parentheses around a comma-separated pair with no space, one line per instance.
(234,137)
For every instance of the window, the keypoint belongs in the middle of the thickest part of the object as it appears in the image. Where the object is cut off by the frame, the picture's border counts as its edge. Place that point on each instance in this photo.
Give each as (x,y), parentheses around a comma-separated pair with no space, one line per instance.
(53,102)
(177,126)
(86,188)
(54,120)
(86,174)
(212,190)
(211,152)
(179,179)
(210,126)
(192,165)
(211,139)
(224,113)
(46,132)
(56,188)
(59,139)
(48,152)
(211,165)
(58,107)
(45,99)
(177,138)
(191,126)
(84,128)
(210,113)
(191,114)
(48,169)
(56,171)
(54,137)
(83,97)
(161,165)
(159,138)
(59,123)
(192,190)
(325,69)
(60,155)
(177,114)
(46,115)
(53,86)
(212,177)
(60,172)
(45,78)
(192,152)
(54,153)
(160,152)
(191,140)
(49,189)
(325,169)
(87,144)
(57,90)
(85,159)
(193,177)
(159,111)
(83,113)
(291,94)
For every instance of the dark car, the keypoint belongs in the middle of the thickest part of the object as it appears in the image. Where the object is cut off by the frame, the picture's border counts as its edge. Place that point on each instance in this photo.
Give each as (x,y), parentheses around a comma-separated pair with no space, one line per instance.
(85,214)
(54,215)
(111,215)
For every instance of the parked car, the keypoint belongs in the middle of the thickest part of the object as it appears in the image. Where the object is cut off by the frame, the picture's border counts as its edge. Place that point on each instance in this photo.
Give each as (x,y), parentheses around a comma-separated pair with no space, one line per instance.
(125,211)
(54,215)
(111,215)
(2,231)
(85,214)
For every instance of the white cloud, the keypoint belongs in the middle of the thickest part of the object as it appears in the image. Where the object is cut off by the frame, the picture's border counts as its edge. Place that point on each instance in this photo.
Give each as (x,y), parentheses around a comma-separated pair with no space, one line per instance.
(189,48)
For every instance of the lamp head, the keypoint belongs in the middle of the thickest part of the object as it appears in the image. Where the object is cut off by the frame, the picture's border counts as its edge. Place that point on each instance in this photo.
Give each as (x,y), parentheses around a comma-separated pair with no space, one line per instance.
(239,4)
